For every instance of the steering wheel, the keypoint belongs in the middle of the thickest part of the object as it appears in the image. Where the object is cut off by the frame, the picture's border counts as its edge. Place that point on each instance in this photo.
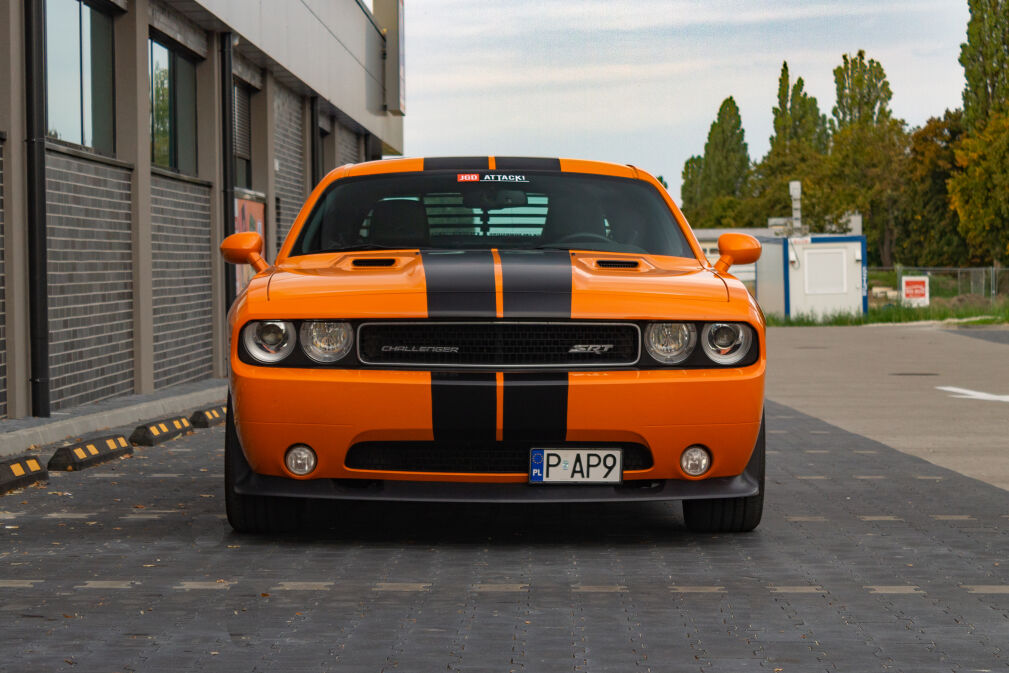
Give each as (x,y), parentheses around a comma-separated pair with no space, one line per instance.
(581,236)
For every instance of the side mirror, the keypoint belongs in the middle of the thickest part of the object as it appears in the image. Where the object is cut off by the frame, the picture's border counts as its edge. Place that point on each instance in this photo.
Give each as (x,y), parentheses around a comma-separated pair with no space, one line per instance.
(244,248)
(736,249)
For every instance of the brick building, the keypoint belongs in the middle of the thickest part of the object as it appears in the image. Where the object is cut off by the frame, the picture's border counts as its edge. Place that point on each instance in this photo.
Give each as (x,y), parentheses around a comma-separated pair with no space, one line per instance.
(135,135)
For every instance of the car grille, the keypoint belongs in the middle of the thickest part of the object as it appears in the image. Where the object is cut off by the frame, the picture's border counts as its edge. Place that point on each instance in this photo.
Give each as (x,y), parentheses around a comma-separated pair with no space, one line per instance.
(499,344)
(471,457)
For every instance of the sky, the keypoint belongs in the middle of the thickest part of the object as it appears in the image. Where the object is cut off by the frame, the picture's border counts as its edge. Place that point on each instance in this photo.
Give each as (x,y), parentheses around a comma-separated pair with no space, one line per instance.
(640,81)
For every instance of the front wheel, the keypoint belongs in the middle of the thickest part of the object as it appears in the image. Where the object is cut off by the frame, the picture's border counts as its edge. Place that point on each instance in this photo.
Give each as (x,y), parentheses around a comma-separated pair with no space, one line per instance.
(730,515)
(254,513)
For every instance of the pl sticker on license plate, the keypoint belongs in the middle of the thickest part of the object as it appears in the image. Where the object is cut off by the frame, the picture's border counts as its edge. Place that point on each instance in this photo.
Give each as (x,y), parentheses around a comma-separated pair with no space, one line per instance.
(575,466)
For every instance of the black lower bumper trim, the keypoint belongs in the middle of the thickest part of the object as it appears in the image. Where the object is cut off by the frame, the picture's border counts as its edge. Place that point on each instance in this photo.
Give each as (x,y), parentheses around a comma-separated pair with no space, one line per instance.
(251,483)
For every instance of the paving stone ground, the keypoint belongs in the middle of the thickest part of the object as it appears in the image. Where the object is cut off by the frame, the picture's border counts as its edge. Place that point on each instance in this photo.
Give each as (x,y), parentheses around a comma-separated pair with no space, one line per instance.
(868,559)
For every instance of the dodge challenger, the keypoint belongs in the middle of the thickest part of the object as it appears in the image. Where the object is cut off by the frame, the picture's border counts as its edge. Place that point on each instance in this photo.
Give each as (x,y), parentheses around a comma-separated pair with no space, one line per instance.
(494,329)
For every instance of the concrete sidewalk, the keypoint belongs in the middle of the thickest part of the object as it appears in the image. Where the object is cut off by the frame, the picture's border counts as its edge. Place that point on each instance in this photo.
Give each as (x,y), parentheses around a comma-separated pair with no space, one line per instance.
(931,390)
(17,436)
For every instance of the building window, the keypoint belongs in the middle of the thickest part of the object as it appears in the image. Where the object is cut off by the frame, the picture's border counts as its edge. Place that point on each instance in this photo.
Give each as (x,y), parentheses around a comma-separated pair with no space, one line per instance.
(243,135)
(173,109)
(79,75)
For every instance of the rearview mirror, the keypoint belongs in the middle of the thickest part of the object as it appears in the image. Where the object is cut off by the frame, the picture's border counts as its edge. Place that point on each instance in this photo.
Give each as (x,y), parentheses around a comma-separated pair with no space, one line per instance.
(493,199)
(244,248)
(736,248)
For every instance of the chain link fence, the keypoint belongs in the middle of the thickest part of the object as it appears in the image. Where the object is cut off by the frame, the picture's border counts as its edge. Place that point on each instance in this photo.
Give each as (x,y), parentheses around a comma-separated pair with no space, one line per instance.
(945,283)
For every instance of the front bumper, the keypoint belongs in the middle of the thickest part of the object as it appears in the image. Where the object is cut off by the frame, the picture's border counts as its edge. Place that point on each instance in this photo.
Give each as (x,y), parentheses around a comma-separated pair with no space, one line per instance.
(333,409)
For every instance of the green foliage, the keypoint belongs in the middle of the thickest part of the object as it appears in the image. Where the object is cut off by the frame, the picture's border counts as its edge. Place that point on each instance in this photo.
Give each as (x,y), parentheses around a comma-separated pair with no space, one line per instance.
(929,233)
(863,92)
(984,312)
(866,173)
(797,118)
(801,137)
(690,192)
(980,191)
(985,60)
(662,181)
(713,183)
(726,159)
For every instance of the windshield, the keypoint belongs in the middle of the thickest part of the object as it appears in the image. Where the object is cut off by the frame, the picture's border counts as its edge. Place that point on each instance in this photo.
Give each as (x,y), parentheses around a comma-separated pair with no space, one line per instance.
(453,210)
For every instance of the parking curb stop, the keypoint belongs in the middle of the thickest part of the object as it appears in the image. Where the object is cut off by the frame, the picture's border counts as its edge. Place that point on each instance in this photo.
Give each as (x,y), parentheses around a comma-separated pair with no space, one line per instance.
(204,418)
(162,430)
(20,472)
(88,452)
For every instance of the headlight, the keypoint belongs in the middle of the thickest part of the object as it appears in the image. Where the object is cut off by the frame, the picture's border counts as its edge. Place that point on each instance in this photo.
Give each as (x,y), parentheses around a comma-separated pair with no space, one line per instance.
(670,342)
(326,341)
(726,343)
(269,341)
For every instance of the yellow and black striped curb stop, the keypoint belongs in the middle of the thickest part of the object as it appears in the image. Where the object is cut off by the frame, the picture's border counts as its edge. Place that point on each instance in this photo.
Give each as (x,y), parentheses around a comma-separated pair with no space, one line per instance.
(155,432)
(87,452)
(21,471)
(204,418)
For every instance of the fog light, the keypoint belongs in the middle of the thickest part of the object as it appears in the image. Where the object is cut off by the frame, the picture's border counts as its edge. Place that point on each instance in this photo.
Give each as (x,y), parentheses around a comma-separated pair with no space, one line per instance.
(300,459)
(695,461)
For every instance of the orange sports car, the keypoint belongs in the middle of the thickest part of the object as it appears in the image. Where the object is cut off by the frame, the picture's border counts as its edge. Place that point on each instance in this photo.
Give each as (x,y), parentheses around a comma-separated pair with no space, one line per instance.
(490,329)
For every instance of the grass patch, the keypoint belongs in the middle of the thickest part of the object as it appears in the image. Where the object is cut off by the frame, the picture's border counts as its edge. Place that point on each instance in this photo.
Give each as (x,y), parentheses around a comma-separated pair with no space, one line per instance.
(984,310)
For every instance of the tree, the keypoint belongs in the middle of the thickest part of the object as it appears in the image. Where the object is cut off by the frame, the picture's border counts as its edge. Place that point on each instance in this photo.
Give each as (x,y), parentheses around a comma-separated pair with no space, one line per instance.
(985,60)
(980,192)
(662,181)
(801,138)
(690,192)
(726,160)
(929,233)
(866,168)
(863,93)
(865,173)
(718,177)
(797,118)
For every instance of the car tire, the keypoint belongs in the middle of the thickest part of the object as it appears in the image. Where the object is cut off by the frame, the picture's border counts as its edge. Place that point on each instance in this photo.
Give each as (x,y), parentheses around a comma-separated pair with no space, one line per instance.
(254,513)
(731,515)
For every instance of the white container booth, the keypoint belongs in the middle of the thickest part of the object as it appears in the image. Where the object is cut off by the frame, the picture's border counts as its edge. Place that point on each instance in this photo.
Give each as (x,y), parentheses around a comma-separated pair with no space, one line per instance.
(815,276)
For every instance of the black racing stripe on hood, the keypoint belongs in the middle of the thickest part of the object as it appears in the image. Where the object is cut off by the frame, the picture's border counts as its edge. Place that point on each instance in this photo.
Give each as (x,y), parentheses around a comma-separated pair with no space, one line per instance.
(536,283)
(452,163)
(464,406)
(536,407)
(460,284)
(526,164)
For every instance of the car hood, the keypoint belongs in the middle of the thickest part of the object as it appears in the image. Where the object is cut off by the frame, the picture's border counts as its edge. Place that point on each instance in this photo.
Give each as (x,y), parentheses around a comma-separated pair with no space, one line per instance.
(476,283)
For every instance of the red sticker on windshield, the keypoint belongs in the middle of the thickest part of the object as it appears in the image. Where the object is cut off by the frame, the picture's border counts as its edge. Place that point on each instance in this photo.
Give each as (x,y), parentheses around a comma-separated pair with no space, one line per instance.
(469,177)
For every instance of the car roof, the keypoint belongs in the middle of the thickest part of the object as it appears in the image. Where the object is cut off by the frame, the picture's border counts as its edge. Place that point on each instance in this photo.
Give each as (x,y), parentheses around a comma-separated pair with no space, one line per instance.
(494,163)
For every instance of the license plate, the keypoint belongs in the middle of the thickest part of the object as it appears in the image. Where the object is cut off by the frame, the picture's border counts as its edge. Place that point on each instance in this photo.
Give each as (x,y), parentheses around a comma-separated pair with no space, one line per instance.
(575,466)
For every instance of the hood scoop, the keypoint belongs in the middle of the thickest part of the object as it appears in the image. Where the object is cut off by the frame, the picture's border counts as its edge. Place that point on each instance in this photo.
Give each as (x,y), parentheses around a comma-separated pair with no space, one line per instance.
(372,262)
(617,263)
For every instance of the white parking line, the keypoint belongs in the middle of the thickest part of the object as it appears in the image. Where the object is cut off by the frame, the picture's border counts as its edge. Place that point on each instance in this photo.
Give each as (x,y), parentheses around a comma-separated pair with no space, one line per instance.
(810,477)
(7,516)
(893,589)
(879,517)
(968,394)
(869,476)
(69,515)
(805,518)
(697,589)
(402,586)
(500,587)
(19,584)
(986,588)
(599,588)
(218,585)
(303,586)
(952,517)
(106,584)
(796,589)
